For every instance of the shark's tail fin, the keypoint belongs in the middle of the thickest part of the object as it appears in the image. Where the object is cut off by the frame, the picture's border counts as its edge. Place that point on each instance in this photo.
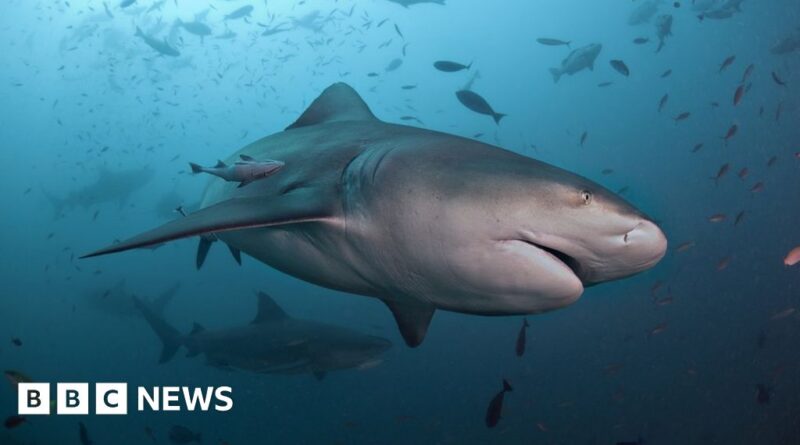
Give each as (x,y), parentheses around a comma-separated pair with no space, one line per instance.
(196,168)
(170,337)
(556,73)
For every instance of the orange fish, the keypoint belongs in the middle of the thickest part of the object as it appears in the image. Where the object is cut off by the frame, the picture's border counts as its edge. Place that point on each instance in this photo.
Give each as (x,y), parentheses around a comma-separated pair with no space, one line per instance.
(717,217)
(661,327)
(793,257)
(783,314)
(723,263)
(758,187)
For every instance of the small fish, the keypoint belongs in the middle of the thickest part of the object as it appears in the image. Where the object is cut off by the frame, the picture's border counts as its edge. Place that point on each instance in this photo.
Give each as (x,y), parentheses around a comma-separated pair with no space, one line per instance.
(793,257)
(724,263)
(777,79)
(663,102)
(658,329)
(739,218)
(16,377)
(697,147)
(520,346)
(450,67)
(621,68)
(731,133)
(763,394)
(408,87)
(726,63)
(682,117)
(605,84)
(182,435)
(244,172)
(16,341)
(149,433)
(495,408)
(737,96)
(666,301)
(583,137)
(640,40)
(666,74)
(758,187)
(475,102)
(747,72)
(553,42)
(393,65)
(743,173)
(14,421)
(717,218)
(683,247)
(783,314)
(83,434)
(126,3)
(723,170)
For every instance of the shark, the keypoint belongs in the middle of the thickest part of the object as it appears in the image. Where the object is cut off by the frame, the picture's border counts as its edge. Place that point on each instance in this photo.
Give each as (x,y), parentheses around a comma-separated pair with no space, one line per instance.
(273,343)
(119,302)
(109,186)
(420,219)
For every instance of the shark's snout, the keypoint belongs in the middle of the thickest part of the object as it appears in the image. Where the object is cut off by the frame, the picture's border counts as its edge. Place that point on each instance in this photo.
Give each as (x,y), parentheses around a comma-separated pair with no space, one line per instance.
(647,245)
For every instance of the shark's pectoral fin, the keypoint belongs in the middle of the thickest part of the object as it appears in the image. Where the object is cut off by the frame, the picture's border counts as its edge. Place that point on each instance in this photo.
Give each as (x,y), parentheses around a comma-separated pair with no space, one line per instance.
(237,254)
(413,319)
(202,251)
(302,205)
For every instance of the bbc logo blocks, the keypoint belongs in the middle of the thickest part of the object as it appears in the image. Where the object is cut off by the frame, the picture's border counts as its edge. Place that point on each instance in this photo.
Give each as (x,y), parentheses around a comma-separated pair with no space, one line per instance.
(72,399)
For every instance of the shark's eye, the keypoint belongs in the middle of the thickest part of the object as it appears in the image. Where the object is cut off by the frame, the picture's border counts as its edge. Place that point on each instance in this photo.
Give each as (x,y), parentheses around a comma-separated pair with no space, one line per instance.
(586,197)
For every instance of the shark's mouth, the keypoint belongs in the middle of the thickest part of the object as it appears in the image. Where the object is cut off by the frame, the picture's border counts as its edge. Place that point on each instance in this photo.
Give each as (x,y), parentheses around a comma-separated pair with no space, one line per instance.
(557,255)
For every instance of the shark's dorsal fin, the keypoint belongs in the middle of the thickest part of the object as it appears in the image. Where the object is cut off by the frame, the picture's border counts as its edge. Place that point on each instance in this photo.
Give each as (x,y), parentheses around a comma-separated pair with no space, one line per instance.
(413,320)
(338,103)
(197,328)
(220,164)
(268,310)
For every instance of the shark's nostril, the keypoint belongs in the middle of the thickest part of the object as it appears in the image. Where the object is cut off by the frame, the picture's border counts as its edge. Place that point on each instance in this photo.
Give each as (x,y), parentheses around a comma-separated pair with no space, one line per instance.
(625,238)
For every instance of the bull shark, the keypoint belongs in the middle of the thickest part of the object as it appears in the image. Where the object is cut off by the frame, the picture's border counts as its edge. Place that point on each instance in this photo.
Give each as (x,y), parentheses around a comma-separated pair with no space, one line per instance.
(118,301)
(419,219)
(110,186)
(273,343)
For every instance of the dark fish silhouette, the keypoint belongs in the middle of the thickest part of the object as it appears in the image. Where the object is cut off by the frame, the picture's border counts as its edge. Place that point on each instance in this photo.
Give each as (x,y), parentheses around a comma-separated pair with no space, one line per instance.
(726,63)
(182,435)
(496,406)
(14,421)
(450,67)
(83,433)
(621,68)
(478,104)
(553,42)
(777,79)
(521,338)
(763,394)
(663,102)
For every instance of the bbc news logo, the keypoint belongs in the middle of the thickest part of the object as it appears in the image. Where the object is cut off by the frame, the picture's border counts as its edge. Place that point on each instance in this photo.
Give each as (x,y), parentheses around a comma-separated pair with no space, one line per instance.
(112,399)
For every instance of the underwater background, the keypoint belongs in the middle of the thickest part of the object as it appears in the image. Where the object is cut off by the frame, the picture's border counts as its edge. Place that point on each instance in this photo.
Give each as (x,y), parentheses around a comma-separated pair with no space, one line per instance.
(702,349)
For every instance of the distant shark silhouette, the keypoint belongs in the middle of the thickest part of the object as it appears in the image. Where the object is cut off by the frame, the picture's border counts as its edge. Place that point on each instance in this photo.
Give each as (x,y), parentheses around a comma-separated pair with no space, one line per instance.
(419,219)
(273,343)
(110,186)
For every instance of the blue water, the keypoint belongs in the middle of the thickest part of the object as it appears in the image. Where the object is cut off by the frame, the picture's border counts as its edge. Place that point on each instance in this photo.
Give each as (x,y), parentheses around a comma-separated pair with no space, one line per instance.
(80,93)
